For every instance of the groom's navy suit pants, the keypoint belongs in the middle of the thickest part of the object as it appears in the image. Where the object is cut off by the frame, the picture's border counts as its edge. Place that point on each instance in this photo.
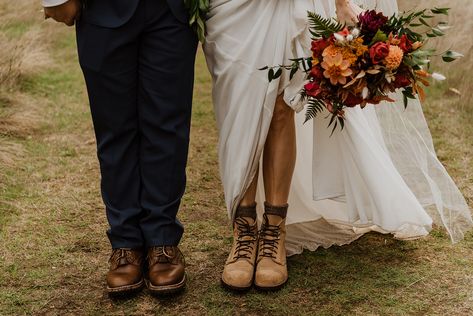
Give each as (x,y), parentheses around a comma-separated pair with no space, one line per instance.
(138,58)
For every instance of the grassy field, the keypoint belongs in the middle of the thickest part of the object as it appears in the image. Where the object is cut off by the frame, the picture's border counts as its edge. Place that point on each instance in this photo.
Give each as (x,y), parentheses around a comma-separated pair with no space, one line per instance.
(54,251)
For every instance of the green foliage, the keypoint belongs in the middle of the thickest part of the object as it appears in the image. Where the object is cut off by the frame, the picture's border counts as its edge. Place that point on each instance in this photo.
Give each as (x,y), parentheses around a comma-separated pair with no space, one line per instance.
(314,107)
(407,22)
(274,72)
(323,27)
(198,10)
(450,56)
(380,36)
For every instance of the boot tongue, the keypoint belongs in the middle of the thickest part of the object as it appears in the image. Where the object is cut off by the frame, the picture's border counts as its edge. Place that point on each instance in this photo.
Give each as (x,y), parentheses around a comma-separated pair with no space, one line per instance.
(275,220)
(250,220)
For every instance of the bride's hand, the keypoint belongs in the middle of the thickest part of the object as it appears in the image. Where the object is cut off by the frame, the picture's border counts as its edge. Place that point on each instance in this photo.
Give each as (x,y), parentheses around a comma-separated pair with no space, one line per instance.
(347,11)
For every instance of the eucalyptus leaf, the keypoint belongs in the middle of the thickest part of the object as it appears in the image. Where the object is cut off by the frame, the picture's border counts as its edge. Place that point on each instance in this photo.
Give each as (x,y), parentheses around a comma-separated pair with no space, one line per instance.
(450,56)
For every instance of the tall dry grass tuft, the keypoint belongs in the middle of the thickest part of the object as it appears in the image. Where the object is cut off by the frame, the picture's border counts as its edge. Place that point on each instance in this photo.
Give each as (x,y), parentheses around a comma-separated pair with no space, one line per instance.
(459,38)
(22,42)
(23,53)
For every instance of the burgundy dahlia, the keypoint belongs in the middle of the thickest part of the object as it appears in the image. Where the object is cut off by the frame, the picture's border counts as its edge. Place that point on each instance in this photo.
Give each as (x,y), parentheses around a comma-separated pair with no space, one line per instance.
(372,21)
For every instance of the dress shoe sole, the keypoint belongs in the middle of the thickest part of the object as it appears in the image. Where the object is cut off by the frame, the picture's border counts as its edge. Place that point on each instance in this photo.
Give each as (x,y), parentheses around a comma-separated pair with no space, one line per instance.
(126,289)
(167,289)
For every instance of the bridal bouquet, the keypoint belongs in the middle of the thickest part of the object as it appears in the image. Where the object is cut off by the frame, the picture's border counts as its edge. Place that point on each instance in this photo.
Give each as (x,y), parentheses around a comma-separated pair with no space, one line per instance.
(362,64)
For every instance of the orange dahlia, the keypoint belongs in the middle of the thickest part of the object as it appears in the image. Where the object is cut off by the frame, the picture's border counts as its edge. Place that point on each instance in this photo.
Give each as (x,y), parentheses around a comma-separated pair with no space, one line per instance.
(336,69)
(346,52)
(394,58)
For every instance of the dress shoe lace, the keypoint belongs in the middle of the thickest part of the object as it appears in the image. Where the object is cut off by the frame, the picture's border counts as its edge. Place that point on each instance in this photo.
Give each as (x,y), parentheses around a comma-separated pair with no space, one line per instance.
(161,255)
(269,236)
(122,256)
(246,239)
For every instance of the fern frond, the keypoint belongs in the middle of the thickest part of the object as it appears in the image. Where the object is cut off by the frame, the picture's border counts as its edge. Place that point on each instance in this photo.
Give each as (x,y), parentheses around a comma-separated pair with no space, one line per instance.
(323,27)
(313,109)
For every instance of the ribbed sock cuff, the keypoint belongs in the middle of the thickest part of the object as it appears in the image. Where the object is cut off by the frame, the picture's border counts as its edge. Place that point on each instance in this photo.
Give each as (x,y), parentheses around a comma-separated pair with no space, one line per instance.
(246,211)
(280,210)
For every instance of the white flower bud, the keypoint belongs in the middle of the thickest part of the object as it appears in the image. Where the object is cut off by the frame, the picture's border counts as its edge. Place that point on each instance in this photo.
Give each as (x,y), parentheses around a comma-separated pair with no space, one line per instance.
(365,92)
(438,76)
(339,37)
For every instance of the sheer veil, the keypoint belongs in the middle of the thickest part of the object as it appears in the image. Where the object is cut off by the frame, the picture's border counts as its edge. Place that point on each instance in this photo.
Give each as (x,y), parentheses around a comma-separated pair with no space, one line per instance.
(405,136)
(409,142)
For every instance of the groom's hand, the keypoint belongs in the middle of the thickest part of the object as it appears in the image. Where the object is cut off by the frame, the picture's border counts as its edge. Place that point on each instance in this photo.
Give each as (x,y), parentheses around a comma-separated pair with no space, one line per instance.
(66,13)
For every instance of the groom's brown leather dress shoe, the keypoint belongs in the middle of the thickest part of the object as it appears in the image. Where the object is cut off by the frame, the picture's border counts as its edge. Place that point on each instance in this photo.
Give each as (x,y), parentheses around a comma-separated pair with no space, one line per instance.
(166,270)
(125,275)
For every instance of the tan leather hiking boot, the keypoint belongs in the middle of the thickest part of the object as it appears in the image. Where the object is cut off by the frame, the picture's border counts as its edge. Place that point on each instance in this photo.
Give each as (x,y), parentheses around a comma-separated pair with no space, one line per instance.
(166,273)
(271,266)
(240,266)
(125,275)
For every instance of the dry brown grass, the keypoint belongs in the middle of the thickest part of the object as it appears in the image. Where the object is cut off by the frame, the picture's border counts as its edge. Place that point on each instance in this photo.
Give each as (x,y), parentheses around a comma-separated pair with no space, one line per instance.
(23,53)
(54,250)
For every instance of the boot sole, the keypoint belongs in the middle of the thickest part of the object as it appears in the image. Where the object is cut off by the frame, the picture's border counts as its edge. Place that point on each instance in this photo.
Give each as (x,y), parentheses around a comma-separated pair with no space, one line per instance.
(270,288)
(125,290)
(164,290)
(235,288)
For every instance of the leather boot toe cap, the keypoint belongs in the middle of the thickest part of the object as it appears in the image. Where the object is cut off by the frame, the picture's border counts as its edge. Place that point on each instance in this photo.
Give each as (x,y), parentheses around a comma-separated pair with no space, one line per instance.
(238,278)
(269,278)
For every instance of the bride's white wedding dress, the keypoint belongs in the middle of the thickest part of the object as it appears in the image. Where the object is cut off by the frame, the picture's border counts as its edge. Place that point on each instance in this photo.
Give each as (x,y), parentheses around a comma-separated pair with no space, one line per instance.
(380,173)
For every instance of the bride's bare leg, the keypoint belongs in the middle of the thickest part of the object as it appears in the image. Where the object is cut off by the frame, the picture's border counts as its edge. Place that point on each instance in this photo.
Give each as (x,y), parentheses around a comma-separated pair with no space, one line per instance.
(279,156)
(249,198)
(279,159)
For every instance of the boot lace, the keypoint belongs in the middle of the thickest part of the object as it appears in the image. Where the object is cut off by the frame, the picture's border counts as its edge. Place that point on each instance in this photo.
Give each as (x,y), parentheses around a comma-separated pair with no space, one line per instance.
(269,236)
(246,239)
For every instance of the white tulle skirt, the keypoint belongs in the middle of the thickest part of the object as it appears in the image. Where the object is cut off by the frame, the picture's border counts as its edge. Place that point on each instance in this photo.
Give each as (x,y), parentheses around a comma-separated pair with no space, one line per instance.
(380,173)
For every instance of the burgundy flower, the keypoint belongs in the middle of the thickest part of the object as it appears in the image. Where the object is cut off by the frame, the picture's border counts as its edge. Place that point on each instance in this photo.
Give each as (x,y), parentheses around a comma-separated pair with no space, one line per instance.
(378,52)
(372,21)
(319,45)
(405,44)
(401,82)
(352,100)
(316,73)
(312,89)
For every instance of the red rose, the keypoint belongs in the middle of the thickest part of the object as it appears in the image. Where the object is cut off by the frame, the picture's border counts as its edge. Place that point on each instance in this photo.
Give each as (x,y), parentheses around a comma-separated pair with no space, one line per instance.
(401,82)
(405,44)
(312,89)
(318,46)
(316,72)
(352,100)
(378,52)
